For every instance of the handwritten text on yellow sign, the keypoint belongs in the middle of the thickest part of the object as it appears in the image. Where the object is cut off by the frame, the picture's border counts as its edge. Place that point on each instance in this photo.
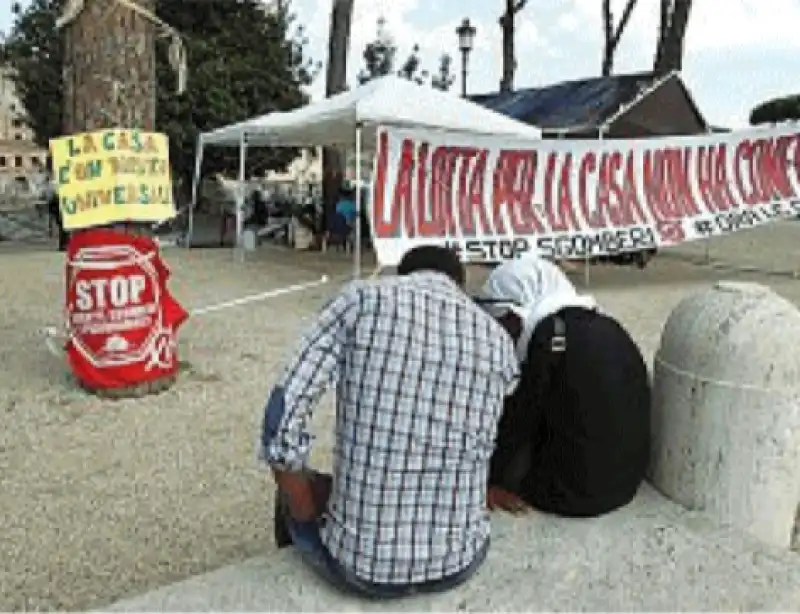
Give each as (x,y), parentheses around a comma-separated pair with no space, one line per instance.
(113,176)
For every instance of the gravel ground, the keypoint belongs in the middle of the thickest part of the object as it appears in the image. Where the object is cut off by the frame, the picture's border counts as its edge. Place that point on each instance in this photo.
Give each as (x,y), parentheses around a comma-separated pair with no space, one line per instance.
(102,500)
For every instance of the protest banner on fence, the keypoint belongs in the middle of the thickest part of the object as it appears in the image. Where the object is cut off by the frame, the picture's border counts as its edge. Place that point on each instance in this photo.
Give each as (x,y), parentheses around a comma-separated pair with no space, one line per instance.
(493,198)
(112,176)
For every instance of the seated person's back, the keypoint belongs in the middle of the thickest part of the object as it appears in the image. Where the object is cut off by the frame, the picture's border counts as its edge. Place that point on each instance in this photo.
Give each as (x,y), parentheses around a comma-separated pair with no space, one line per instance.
(574,438)
(420,374)
(593,406)
(415,453)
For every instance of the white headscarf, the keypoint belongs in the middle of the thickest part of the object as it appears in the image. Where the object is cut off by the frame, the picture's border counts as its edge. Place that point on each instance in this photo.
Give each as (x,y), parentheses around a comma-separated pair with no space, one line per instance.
(534,288)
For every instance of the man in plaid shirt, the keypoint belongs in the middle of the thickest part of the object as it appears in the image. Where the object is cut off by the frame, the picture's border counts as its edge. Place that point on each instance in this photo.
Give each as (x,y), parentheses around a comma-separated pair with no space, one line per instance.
(420,374)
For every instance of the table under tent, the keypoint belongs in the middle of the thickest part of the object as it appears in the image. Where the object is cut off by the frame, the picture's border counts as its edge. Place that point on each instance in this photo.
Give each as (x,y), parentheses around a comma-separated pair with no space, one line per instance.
(351,120)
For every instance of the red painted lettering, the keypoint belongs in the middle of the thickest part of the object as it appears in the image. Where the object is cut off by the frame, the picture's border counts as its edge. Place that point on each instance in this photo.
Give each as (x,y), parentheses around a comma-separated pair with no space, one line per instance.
(770,166)
(594,217)
(742,159)
(618,196)
(442,170)
(680,173)
(631,203)
(657,194)
(427,222)
(471,204)
(382,227)
(558,194)
(712,178)
(513,192)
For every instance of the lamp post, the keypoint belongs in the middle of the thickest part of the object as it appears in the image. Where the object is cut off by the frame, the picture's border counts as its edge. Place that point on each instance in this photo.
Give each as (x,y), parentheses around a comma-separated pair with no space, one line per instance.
(466,40)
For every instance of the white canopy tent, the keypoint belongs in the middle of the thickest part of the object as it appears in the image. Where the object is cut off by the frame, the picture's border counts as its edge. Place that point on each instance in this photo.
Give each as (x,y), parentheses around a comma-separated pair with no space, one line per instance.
(351,119)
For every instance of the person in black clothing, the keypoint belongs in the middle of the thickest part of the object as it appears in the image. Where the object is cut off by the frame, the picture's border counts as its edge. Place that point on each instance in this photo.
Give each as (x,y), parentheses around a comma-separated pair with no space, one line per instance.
(54,208)
(574,437)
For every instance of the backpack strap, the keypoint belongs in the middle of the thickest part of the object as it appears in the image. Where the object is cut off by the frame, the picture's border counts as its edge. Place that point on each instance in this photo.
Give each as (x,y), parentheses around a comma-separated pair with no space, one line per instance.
(552,357)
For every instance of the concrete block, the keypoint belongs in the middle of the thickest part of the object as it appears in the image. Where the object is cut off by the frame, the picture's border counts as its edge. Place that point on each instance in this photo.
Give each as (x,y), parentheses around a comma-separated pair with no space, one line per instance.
(726,409)
(652,555)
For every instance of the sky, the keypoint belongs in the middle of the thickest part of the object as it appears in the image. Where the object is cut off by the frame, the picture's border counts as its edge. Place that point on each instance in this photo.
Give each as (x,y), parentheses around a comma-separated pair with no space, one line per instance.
(738,52)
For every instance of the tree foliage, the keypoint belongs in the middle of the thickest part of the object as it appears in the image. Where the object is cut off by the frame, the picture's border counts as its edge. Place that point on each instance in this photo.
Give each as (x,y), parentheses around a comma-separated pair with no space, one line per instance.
(776,111)
(33,51)
(380,57)
(243,61)
(444,78)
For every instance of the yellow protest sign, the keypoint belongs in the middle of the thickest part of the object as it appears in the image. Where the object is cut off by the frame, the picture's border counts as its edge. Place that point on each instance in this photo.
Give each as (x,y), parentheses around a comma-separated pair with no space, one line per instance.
(112,176)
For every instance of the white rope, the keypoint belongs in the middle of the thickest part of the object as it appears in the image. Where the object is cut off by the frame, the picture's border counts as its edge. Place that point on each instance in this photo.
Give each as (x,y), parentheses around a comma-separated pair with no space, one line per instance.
(54,341)
(253,298)
(720,383)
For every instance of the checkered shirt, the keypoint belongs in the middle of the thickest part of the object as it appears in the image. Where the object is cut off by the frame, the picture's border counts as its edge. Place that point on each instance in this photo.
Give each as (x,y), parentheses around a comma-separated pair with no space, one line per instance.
(420,373)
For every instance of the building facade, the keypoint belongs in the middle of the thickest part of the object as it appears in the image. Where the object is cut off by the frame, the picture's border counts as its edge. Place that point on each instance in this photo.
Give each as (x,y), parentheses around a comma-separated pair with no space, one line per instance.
(20,157)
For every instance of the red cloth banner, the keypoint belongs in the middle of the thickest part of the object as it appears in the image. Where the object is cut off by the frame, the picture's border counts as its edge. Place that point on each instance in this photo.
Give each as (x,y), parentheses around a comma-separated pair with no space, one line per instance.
(121,319)
(495,198)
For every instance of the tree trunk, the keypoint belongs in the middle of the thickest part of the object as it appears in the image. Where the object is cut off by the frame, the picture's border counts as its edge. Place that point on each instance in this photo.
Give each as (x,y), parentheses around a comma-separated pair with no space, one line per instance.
(109,68)
(508,27)
(335,82)
(674,22)
(608,40)
(110,82)
(509,61)
(612,34)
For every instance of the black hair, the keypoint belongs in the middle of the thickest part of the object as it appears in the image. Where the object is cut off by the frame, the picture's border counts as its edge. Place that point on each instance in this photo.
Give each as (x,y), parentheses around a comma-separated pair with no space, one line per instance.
(433,258)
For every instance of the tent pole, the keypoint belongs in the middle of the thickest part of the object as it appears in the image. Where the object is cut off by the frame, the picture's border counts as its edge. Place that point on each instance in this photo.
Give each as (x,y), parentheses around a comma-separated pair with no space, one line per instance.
(586,262)
(709,131)
(240,203)
(359,204)
(198,165)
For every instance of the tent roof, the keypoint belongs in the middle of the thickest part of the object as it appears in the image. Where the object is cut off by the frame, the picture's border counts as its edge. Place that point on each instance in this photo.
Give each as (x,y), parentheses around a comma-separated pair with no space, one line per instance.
(390,101)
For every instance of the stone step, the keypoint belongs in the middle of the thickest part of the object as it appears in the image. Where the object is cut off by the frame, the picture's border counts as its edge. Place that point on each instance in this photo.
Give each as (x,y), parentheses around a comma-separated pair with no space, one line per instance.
(652,555)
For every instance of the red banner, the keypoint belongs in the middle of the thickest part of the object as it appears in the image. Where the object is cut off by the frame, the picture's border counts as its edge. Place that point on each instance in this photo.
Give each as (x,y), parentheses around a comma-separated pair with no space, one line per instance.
(122,320)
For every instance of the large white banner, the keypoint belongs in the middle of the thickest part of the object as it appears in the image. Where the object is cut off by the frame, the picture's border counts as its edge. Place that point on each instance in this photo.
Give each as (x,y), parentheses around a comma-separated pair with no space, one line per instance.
(494,198)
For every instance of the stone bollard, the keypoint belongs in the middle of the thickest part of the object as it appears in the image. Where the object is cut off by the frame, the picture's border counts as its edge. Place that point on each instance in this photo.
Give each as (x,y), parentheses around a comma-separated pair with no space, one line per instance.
(726,409)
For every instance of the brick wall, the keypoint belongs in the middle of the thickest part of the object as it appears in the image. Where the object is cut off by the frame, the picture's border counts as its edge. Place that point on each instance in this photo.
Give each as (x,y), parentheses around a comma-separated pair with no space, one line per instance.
(109,69)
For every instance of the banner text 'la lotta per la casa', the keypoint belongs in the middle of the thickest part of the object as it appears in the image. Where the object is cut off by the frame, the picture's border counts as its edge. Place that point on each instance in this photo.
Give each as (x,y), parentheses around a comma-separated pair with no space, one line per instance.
(495,199)
(113,176)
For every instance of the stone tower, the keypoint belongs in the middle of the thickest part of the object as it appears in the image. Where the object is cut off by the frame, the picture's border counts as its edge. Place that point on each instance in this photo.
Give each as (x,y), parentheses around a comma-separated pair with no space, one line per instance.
(109,65)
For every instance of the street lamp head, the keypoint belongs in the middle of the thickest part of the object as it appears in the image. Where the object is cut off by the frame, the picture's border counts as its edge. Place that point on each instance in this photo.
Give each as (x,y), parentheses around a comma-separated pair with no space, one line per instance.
(466,36)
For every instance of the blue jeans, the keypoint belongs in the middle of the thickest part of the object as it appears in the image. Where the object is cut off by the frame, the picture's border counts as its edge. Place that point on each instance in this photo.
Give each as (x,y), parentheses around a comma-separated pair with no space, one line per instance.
(306,538)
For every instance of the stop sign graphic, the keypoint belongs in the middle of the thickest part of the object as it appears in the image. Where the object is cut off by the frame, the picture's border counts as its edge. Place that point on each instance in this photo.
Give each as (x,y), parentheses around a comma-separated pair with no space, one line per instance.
(114,313)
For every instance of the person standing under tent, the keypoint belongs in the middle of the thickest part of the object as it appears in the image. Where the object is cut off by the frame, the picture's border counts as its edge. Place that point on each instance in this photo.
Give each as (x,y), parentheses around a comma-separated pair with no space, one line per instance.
(575,436)
(420,373)
(54,212)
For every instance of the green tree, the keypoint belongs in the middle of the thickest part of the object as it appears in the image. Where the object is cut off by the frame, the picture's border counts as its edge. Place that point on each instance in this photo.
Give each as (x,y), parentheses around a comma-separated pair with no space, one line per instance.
(776,110)
(380,57)
(34,51)
(444,78)
(243,60)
